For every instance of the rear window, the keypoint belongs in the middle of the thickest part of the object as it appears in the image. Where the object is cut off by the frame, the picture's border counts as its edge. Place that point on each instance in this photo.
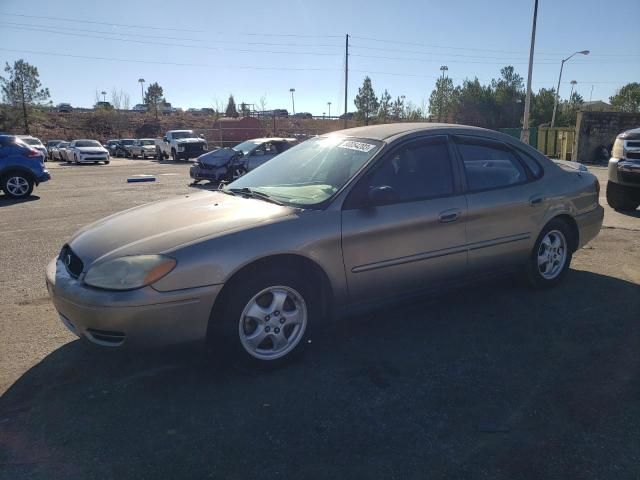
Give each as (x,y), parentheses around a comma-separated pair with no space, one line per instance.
(532,164)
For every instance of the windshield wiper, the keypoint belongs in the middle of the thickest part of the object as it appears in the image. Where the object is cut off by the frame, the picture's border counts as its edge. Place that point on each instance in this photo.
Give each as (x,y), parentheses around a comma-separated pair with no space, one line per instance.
(246,191)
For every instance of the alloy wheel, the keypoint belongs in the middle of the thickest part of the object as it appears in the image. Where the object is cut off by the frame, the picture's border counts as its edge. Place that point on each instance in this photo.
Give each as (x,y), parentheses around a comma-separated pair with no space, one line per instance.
(17,186)
(273,322)
(552,254)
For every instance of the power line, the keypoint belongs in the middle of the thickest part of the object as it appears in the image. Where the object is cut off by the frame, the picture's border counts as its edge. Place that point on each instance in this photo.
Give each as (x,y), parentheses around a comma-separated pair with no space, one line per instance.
(422,60)
(147,27)
(148,42)
(165,37)
(177,64)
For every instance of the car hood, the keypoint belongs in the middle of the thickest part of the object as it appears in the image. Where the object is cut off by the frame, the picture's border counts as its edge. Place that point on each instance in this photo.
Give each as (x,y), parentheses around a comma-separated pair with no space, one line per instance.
(91,149)
(169,224)
(189,140)
(217,158)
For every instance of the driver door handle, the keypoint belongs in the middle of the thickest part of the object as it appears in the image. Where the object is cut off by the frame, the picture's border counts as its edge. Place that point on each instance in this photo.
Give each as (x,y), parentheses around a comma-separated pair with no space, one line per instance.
(449,216)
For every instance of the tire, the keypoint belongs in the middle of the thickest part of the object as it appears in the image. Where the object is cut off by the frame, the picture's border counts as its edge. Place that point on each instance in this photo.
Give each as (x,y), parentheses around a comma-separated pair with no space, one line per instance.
(75,159)
(159,155)
(622,198)
(551,255)
(235,173)
(17,185)
(285,298)
(174,155)
(106,162)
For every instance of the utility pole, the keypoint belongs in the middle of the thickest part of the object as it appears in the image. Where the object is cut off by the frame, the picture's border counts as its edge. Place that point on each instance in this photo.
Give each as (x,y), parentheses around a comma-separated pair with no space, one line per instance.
(524,134)
(443,69)
(346,76)
(329,105)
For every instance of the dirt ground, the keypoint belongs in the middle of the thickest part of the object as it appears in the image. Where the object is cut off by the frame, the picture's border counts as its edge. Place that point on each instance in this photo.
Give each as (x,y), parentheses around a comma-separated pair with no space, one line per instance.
(493,381)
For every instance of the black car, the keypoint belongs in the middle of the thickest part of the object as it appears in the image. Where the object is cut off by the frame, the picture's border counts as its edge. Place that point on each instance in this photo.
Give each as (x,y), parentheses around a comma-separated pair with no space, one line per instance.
(112,145)
(122,149)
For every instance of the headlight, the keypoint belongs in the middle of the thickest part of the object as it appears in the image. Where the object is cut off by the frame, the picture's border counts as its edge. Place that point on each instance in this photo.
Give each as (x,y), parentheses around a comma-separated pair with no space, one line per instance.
(618,148)
(128,273)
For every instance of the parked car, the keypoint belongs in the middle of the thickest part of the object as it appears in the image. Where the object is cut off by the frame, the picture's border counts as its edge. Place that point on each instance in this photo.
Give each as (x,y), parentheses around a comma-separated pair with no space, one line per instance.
(34,142)
(112,146)
(50,145)
(141,107)
(103,106)
(86,151)
(59,152)
(180,145)
(231,163)
(122,149)
(143,148)
(623,187)
(21,167)
(304,115)
(64,108)
(351,219)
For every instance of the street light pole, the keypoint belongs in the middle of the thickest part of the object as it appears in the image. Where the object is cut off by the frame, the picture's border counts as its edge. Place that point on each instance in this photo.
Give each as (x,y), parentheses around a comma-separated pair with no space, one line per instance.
(293,104)
(141,80)
(104,96)
(555,103)
(443,69)
(524,134)
(329,105)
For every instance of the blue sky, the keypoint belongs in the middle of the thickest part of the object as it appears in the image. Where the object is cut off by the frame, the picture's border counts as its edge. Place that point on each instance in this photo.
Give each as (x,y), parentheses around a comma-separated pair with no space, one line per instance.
(201,51)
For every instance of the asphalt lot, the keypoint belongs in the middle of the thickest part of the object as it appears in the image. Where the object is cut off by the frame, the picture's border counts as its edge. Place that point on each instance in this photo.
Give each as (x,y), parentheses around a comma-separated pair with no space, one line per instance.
(491,381)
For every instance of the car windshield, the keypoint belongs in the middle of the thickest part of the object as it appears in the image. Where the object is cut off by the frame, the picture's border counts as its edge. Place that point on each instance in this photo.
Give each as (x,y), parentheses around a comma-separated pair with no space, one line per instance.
(63,144)
(31,141)
(127,142)
(147,142)
(246,147)
(187,134)
(88,143)
(311,172)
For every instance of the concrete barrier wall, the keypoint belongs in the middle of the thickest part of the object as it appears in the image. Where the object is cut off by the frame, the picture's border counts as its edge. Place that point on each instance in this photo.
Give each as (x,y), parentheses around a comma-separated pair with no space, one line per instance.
(597,129)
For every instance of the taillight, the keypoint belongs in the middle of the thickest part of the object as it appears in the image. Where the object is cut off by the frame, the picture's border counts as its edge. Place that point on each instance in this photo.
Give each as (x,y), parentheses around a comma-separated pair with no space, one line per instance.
(32,153)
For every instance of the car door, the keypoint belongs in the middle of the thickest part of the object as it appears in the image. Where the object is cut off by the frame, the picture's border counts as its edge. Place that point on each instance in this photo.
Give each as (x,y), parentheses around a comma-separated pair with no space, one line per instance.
(403,224)
(505,203)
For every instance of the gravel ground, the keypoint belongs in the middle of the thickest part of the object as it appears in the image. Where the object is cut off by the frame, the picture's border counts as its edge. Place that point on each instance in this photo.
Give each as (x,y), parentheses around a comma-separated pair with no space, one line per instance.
(492,381)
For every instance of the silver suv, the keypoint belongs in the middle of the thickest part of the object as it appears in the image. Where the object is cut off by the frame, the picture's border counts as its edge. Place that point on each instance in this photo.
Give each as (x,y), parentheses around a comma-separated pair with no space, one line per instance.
(623,187)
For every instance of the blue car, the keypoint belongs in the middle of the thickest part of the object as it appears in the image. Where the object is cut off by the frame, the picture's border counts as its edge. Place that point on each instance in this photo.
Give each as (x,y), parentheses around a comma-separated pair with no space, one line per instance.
(21,167)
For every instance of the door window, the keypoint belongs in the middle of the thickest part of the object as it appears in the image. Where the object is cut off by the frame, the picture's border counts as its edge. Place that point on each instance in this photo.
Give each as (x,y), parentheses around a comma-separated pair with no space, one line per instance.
(417,171)
(490,166)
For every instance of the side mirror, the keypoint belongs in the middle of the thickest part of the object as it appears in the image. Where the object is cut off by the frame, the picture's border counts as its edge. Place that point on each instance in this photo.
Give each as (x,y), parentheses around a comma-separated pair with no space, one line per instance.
(382,195)
(201,135)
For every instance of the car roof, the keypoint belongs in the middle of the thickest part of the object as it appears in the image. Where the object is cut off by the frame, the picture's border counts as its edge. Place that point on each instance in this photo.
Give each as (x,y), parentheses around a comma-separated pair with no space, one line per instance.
(85,140)
(272,139)
(389,130)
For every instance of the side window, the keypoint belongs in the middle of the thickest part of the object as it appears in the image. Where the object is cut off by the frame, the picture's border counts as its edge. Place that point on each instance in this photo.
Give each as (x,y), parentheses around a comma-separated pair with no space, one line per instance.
(417,171)
(532,164)
(490,166)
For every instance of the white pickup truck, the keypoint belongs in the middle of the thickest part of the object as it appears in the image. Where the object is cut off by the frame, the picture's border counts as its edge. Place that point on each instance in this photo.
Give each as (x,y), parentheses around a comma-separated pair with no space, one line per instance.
(180,145)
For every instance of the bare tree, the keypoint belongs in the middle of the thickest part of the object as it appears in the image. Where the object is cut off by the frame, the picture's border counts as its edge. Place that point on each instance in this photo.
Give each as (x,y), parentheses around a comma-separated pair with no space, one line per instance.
(116,98)
(263,102)
(126,100)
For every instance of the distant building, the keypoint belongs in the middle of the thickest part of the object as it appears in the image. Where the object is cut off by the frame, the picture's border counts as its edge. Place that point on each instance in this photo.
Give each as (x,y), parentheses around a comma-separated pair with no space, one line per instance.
(231,131)
(596,106)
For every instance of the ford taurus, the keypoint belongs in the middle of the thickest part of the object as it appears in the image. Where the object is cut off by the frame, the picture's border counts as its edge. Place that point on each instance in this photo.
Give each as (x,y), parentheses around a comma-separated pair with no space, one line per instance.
(353,218)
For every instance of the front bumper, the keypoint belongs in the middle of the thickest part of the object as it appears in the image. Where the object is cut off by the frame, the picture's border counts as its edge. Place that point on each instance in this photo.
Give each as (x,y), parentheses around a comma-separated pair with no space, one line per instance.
(624,172)
(589,225)
(43,177)
(213,174)
(132,319)
(93,158)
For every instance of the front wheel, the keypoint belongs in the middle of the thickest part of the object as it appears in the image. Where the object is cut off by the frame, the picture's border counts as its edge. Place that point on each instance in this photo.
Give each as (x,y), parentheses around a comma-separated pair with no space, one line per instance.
(106,162)
(17,185)
(551,255)
(174,155)
(266,319)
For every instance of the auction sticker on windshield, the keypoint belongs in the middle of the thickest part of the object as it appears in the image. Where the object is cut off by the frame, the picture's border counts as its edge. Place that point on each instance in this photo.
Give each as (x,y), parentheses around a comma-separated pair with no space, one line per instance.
(359,146)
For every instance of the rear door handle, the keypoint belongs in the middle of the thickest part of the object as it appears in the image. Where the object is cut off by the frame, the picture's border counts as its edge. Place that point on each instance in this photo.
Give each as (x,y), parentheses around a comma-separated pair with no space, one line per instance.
(449,216)
(535,200)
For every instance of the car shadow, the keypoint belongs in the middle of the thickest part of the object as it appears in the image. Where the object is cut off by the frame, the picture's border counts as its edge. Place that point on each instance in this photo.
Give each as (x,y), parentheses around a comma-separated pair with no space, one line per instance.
(492,378)
(6,201)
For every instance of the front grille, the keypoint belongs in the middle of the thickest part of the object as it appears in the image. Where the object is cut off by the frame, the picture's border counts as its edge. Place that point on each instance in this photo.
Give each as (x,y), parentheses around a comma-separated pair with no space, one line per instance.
(71,261)
(633,144)
(633,155)
(193,147)
(629,177)
(105,337)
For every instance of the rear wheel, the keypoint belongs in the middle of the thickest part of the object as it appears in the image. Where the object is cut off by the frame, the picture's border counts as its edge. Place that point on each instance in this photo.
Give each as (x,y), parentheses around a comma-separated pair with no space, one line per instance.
(620,197)
(17,185)
(551,255)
